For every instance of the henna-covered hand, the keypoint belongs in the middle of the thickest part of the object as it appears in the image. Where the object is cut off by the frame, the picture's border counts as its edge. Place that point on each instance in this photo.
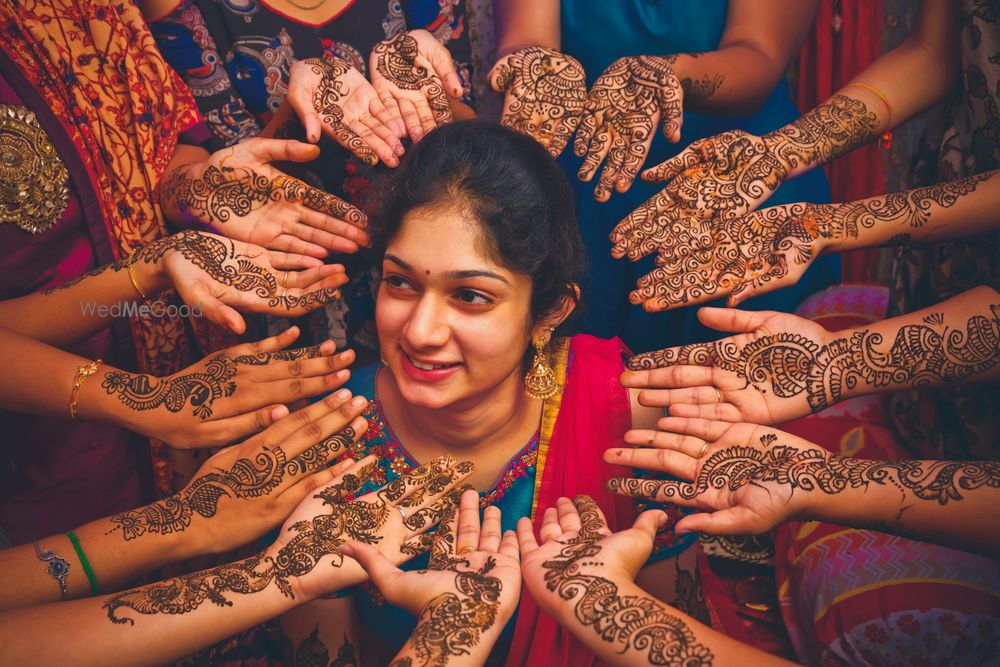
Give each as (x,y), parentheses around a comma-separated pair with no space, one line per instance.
(243,491)
(414,76)
(464,599)
(330,96)
(238,193)
(545,93)
(719,178)
(752,478)
(307,558)
(623,108)
(578,573)
(226,395)
(780,367)
(743,257)
(219,276)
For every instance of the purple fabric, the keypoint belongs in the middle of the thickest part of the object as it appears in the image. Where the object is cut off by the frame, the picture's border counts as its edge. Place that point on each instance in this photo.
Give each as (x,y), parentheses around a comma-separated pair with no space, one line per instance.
(56,474)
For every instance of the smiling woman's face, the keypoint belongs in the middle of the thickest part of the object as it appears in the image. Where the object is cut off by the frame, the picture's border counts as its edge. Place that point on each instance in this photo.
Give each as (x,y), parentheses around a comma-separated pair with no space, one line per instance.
(453,325)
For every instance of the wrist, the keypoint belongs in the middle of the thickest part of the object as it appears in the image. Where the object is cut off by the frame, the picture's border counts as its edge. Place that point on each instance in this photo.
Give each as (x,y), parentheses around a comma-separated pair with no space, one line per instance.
(773,142)
(150,278)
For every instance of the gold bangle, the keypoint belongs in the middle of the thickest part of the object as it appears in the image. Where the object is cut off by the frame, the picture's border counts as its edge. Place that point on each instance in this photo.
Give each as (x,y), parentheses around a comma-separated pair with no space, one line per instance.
(131,277)
(82,373)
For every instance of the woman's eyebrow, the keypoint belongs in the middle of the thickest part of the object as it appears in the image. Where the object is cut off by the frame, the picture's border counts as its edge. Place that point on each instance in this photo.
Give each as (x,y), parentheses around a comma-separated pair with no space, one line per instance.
(477,273)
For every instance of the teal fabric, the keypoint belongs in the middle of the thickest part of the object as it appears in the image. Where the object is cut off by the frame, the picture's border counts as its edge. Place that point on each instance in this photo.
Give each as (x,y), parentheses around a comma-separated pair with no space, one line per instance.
(598,33)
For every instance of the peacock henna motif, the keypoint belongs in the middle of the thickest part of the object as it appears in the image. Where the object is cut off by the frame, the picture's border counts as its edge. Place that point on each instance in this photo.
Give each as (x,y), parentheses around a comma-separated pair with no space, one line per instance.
(332,88)
(312,652)
(396,61)
(639,623)
(547,92)
(620,113)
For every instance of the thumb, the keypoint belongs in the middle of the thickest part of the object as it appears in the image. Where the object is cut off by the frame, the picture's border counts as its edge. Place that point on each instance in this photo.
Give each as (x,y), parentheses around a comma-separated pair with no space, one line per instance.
(271,150)
(200,297)
(501,76)
(732,320)
(721,522)
(649,522)
(444,67)
(379,569)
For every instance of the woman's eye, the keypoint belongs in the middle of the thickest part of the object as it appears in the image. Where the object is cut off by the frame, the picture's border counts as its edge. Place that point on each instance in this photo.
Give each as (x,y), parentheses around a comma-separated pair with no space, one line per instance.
(471,297)
(396,281)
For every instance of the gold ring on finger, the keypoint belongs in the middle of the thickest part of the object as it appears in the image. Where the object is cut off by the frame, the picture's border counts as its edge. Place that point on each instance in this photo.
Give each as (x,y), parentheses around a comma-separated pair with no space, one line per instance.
(402,512)
(718,394)
(704,448)
(364,118)
(284,279)
(467,550)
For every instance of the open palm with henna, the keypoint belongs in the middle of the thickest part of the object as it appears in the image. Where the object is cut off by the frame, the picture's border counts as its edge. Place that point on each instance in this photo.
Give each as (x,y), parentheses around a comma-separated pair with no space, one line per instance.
(223,276)
(239,193)
(713,179)
(467,594)
(545,93)
(623,108)
(415,77)
(330,96)
(742,257)
(768,372)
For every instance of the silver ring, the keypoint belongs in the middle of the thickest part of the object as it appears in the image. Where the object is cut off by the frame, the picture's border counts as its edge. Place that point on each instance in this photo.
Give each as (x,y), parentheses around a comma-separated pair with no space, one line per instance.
(704,448)
(718,394)
(401,513)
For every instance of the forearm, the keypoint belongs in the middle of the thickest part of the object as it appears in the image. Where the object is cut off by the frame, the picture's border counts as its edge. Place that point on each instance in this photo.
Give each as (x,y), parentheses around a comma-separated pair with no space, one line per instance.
(81,307)
(149,625)
(521,23)
(912,78)
(944,502)
(956,341)
(170,189)
(478,625)
(949,211)
(595,617)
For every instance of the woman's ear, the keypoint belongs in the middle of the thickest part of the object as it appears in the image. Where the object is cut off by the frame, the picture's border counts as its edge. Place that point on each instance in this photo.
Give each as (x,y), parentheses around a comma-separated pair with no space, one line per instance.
(563,310)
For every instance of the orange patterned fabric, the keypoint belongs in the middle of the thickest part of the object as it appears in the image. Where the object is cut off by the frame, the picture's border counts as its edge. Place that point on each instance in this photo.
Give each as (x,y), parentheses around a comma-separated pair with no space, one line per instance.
(98,68)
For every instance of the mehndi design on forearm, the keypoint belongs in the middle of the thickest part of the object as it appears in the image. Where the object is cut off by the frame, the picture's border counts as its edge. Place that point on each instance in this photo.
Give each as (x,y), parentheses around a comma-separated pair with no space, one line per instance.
(222,192)
(640,623)
(833,128)
(184,594)
(246,478)
(789,364)
(264,358)
(396,61)
(326,102)
(807,470)
(201,389)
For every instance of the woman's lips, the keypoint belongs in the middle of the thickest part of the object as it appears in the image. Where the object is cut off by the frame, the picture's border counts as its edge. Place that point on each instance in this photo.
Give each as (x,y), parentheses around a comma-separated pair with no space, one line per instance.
(425,372)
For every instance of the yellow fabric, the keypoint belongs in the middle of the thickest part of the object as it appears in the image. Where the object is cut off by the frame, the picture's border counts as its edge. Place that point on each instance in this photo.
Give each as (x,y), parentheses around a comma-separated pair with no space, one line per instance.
(550,412)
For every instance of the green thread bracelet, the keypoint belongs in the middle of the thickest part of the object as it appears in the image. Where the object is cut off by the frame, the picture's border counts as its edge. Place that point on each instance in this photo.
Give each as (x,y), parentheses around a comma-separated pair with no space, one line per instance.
(75,541)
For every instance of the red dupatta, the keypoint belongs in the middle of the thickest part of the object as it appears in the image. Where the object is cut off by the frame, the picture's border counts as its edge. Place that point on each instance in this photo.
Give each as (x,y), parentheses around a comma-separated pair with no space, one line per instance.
(590,415)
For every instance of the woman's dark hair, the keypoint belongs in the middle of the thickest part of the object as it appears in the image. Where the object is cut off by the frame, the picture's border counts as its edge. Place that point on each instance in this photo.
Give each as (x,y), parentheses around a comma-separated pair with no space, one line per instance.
(507,182)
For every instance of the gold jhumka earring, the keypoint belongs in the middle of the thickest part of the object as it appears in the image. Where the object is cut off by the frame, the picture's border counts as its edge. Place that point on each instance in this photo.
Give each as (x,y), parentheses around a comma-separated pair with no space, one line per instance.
(540,381)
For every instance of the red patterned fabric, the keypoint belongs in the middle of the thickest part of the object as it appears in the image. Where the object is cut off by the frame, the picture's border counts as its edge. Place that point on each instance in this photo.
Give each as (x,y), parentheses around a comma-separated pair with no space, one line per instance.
(846,38)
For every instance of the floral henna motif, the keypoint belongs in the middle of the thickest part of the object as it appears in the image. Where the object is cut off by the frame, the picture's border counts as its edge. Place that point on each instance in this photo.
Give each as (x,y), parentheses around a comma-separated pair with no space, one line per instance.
(264,358)
(620,112)
(201,389)
(637,622)
(315,539)
(312,652)
(451,624)
(732,468)
(548,93)
(326,101)
(833,128)
(396,61)
(246,478)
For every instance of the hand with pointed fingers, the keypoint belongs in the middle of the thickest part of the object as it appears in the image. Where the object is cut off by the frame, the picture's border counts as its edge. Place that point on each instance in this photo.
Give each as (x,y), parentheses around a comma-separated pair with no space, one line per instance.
(576,549)
(221,276)
(391,519)
(414,77)
(769,372)
(713,180)
(622,111)
(742,257)
(465,597)
(225,396)
(747,480)
(330,96)
(237,192)
(545,93)
(245,490)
